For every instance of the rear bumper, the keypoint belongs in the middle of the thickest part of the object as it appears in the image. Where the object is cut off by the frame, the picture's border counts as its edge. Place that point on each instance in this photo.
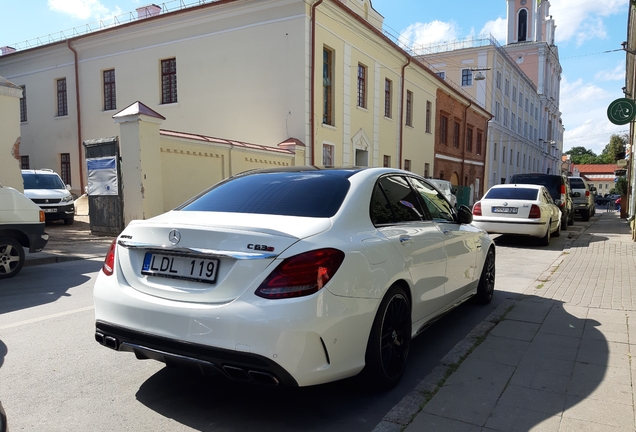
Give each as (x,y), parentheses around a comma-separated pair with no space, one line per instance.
(66,211)
(534,229)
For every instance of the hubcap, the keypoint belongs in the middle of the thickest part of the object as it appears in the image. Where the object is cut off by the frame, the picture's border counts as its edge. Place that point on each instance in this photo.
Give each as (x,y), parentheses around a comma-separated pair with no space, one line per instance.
(396,335)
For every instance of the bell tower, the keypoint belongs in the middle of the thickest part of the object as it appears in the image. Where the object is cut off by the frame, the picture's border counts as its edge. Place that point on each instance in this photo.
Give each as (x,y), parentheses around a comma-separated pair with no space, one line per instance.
(522,21)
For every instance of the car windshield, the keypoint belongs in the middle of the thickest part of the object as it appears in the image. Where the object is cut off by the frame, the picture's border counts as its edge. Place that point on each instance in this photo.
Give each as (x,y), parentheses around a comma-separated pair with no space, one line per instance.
(517,193)
(306,194)
(42,181)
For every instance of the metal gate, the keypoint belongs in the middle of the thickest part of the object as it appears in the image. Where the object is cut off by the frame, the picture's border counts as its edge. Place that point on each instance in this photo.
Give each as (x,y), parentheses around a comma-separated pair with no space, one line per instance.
(105,204)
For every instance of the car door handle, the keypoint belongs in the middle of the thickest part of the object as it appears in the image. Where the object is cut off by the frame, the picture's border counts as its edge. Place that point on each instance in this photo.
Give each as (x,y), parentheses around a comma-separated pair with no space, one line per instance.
(406,240)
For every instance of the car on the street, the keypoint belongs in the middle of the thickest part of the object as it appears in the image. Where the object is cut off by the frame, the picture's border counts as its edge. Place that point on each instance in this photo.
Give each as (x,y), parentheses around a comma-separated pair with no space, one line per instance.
(558,185)
(21,227)
(520,209)
(46,188)
(582,198)
(294,276)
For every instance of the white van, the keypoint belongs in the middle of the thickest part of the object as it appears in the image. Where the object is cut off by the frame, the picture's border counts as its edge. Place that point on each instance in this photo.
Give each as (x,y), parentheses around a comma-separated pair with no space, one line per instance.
(446,188)
(21,227)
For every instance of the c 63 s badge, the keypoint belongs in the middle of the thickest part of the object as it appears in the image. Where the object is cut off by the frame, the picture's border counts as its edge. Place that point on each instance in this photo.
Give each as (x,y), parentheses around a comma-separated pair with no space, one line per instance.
(259,247)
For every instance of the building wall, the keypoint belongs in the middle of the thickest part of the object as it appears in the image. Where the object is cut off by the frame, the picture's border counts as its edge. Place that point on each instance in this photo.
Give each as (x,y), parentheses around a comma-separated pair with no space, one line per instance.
(10,136)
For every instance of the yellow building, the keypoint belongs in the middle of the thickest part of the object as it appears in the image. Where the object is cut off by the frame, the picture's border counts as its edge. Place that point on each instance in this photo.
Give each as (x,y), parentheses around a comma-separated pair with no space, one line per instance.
(10,137)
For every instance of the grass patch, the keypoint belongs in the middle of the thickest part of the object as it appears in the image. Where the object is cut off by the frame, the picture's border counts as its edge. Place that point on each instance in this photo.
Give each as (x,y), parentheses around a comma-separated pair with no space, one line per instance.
(540,286)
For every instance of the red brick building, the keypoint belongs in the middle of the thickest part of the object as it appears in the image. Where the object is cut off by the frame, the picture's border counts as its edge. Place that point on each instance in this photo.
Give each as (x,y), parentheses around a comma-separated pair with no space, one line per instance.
(460,143)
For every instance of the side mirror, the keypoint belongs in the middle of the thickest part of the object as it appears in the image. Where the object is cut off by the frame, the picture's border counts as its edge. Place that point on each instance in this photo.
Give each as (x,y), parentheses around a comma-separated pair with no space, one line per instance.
(464,215)
(68,187)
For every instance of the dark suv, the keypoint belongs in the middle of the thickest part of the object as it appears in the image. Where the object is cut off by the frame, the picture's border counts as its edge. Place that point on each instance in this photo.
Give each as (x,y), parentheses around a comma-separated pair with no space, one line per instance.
(559,188)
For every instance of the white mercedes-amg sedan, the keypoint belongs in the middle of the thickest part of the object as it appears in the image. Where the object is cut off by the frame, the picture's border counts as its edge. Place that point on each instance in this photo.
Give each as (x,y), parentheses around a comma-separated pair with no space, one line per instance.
(294,276)
(521,209)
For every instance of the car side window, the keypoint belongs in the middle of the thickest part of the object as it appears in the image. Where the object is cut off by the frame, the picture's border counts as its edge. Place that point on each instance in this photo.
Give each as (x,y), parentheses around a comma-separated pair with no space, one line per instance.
(439,209)
(394,201)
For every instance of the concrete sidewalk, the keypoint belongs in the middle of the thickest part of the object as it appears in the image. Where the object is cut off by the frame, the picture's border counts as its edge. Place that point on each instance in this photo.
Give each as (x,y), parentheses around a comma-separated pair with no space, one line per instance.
(558,359)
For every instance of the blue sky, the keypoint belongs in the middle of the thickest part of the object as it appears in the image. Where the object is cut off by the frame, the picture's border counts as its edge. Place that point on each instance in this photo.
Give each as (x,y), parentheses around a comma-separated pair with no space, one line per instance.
(585,29)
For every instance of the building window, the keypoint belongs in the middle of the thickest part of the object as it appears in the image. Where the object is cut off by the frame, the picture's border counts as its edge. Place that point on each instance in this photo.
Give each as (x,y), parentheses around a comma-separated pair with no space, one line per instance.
(62,104)
(518,158)
(442,75)
(531,109)
(65,168)
(409,108)
(526,104)
(519,125)
(524,161)
(327,155)
(429,107)
(327,86)
(507,87)
(520,99)
(503,155)
(441,175)
(456,135)
(443,130)
(407,164)
(469,140)
(24,162)
(388,91)
(523,25)
(110,99)
(169,81)
(427,169)
(478,143)
(362,85)
(467,77)
(23,105)
(498,80)
(511,153)
(387,161)
(497,109)
(514,93)
(513,117)
(494,157)
(505,116)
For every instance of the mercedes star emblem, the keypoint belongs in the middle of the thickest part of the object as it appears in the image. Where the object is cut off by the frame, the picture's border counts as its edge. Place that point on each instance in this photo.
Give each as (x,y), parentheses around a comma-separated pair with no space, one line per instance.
(174,236)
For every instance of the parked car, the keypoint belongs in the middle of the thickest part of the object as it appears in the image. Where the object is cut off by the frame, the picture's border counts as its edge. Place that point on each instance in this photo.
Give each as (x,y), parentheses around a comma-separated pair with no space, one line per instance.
(21,227)
(295,276)
(583,202)
(559,188)
(45,188)
(518,209)
(446,188)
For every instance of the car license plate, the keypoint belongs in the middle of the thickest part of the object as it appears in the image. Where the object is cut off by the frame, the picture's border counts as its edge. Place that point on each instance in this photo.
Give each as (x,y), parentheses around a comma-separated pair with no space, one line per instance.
(50,210)
(505,210)
(180,267)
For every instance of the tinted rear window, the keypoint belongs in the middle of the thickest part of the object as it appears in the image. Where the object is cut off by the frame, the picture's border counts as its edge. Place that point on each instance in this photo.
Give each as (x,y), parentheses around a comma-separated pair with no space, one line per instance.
(304,194)
(513,193)
(551,182)
(577,183)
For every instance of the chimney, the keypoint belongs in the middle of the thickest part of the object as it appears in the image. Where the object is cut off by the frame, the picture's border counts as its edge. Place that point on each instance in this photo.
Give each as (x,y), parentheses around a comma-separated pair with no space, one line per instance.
(148,11)
(7,50)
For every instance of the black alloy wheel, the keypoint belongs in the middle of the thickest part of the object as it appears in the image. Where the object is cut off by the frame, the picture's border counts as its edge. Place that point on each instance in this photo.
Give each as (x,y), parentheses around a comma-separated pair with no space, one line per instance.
(389,341)
(486,287)
(11,257)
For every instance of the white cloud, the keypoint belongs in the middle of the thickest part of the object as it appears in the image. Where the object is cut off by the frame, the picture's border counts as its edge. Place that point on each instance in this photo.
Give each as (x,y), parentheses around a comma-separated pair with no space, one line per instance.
(583,20)
(584,106)
(83,9)
(498,28)
(421,35)
(616,74)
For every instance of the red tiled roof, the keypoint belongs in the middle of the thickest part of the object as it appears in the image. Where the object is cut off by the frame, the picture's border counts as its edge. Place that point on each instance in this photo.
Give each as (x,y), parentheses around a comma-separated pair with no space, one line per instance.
(596,168)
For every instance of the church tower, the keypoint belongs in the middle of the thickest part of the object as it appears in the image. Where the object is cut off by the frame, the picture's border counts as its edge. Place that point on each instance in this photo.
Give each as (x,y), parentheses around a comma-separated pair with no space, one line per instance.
(529,21)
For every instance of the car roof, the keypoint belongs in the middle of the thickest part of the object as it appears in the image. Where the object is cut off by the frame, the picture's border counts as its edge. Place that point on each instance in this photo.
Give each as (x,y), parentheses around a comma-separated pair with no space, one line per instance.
(39,171)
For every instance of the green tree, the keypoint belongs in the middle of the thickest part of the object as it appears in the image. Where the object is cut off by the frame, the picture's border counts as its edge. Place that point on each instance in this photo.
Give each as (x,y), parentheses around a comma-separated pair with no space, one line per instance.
(581,155)
(615,149)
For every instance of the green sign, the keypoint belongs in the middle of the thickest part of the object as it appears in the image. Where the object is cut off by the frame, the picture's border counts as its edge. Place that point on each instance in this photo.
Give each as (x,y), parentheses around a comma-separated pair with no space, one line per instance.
(621,111)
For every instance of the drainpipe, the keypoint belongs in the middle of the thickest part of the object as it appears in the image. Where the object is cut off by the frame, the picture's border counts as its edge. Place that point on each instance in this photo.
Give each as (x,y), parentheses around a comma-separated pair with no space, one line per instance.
(312,81)
(402,113)
(79,117)
(470,102)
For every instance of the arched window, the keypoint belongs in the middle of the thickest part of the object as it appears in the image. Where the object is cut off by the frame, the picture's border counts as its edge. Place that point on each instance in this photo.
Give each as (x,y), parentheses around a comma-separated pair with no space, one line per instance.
(522,26)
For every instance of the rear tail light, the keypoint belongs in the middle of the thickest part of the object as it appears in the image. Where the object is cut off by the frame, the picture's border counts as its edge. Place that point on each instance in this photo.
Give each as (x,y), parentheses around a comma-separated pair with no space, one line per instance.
(535,212)
(587,193)
(109,261)
(562,189)
(301,275)
(477,209)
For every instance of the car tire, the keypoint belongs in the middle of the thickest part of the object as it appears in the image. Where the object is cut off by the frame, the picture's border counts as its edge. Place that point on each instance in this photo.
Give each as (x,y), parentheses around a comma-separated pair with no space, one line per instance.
(564,222)
(585,215)
(545,240)
(11,257)
(557,233)
(389,341)
(69,221)
(571,219)
(486,287)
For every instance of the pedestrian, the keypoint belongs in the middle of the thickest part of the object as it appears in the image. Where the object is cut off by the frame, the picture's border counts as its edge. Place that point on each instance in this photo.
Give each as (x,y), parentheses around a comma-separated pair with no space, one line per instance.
(618,204)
